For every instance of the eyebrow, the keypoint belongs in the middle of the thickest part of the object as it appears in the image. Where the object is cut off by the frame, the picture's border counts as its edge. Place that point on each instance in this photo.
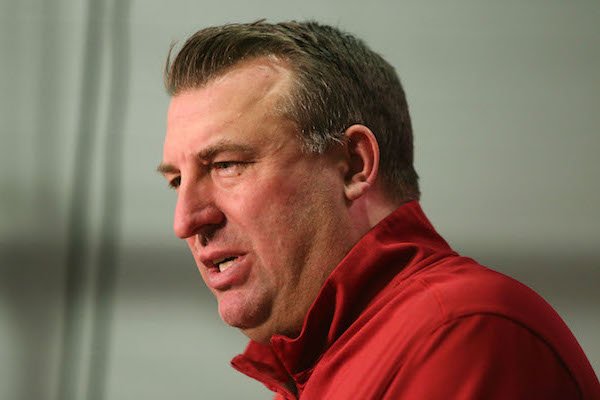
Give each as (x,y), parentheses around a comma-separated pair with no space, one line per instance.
(165,168)
(208,154)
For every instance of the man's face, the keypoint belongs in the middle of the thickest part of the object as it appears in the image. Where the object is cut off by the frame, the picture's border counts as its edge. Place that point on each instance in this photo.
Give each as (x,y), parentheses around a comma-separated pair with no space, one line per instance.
(265,221)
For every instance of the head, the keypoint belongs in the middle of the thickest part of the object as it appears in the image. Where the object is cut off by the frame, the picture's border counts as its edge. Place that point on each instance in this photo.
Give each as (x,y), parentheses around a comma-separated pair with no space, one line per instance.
(286,143)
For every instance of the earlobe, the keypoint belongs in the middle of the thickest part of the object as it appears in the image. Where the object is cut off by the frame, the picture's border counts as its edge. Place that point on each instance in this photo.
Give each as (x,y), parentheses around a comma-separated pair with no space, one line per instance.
(362,151)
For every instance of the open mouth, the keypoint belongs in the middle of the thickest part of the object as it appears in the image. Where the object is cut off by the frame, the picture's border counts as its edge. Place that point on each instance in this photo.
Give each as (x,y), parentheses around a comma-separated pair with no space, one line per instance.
(224,263)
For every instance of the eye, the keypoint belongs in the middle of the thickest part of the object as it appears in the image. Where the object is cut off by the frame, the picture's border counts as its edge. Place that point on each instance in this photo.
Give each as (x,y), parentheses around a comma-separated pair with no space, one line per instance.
(224,164)
(175,182)
(228,168)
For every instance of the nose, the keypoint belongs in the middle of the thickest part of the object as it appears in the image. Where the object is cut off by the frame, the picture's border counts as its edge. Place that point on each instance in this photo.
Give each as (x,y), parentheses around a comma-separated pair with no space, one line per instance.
(195,212)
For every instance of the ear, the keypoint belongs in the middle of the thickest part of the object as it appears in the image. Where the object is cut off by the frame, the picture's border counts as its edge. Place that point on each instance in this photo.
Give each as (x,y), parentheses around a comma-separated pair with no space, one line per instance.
(362,154)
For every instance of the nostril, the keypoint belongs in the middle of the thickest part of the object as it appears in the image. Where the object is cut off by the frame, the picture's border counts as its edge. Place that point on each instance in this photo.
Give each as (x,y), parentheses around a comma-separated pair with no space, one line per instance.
(207,232)
(203,240)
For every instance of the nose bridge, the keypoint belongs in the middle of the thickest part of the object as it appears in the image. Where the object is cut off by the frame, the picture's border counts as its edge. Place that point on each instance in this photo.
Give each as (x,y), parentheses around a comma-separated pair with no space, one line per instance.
(191,211)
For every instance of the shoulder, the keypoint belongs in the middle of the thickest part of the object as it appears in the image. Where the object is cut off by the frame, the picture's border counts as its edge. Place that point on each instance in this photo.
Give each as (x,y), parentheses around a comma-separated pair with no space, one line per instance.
(456,287)
(464,326)
(460,288)
(477,320)
(483,356)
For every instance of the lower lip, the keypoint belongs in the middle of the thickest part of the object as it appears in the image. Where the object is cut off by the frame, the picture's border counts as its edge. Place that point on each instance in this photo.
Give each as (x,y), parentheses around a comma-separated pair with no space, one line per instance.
(235,275)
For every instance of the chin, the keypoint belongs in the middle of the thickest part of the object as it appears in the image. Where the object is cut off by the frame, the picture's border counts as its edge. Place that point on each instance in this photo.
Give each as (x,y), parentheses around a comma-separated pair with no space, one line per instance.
(264,332)
(240,313)
(258,334)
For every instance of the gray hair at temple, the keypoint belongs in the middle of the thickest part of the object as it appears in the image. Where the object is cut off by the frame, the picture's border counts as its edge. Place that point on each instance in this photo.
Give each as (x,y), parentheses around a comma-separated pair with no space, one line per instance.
(338,82)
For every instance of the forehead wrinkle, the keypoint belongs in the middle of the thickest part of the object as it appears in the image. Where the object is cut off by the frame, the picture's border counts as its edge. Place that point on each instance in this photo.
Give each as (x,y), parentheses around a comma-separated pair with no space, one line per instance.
(210,152)
(223,145)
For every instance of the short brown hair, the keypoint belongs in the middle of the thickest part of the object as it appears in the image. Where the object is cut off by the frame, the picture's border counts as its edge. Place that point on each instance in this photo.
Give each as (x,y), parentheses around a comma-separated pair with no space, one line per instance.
(338,82)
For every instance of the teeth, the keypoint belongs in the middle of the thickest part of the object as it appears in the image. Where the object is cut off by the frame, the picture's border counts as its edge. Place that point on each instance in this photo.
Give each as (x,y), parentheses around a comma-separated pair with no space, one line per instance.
(223,266)
(219,260)
(224,263)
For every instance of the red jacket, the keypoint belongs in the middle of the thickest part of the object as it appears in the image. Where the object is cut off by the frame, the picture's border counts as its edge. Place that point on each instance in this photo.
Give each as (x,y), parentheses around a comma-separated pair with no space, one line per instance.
(405,317)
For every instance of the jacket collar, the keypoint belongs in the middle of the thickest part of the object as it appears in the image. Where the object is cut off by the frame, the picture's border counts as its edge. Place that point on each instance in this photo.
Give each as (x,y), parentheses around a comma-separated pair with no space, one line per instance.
(388,253)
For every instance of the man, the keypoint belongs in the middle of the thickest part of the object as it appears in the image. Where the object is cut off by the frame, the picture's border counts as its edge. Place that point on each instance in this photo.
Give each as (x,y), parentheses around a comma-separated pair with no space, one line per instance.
(290,148)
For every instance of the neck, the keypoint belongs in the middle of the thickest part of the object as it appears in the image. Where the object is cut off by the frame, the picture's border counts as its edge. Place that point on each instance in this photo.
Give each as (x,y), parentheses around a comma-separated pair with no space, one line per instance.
(370,209)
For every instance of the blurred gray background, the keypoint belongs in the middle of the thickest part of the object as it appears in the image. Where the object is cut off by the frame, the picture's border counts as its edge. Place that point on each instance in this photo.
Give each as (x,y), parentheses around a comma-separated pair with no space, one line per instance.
(98,300)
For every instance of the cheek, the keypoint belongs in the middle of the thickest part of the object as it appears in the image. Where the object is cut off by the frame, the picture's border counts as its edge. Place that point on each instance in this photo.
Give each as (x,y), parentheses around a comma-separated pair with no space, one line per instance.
(261,201)
(191,243)
(270,215)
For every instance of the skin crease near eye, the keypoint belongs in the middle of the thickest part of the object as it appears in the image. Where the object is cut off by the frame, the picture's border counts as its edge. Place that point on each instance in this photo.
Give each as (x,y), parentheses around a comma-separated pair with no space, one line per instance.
(229,168)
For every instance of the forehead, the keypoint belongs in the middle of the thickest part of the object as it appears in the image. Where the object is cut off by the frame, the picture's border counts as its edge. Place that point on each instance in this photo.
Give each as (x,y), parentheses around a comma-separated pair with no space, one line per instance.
(249,87)
(242,106)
